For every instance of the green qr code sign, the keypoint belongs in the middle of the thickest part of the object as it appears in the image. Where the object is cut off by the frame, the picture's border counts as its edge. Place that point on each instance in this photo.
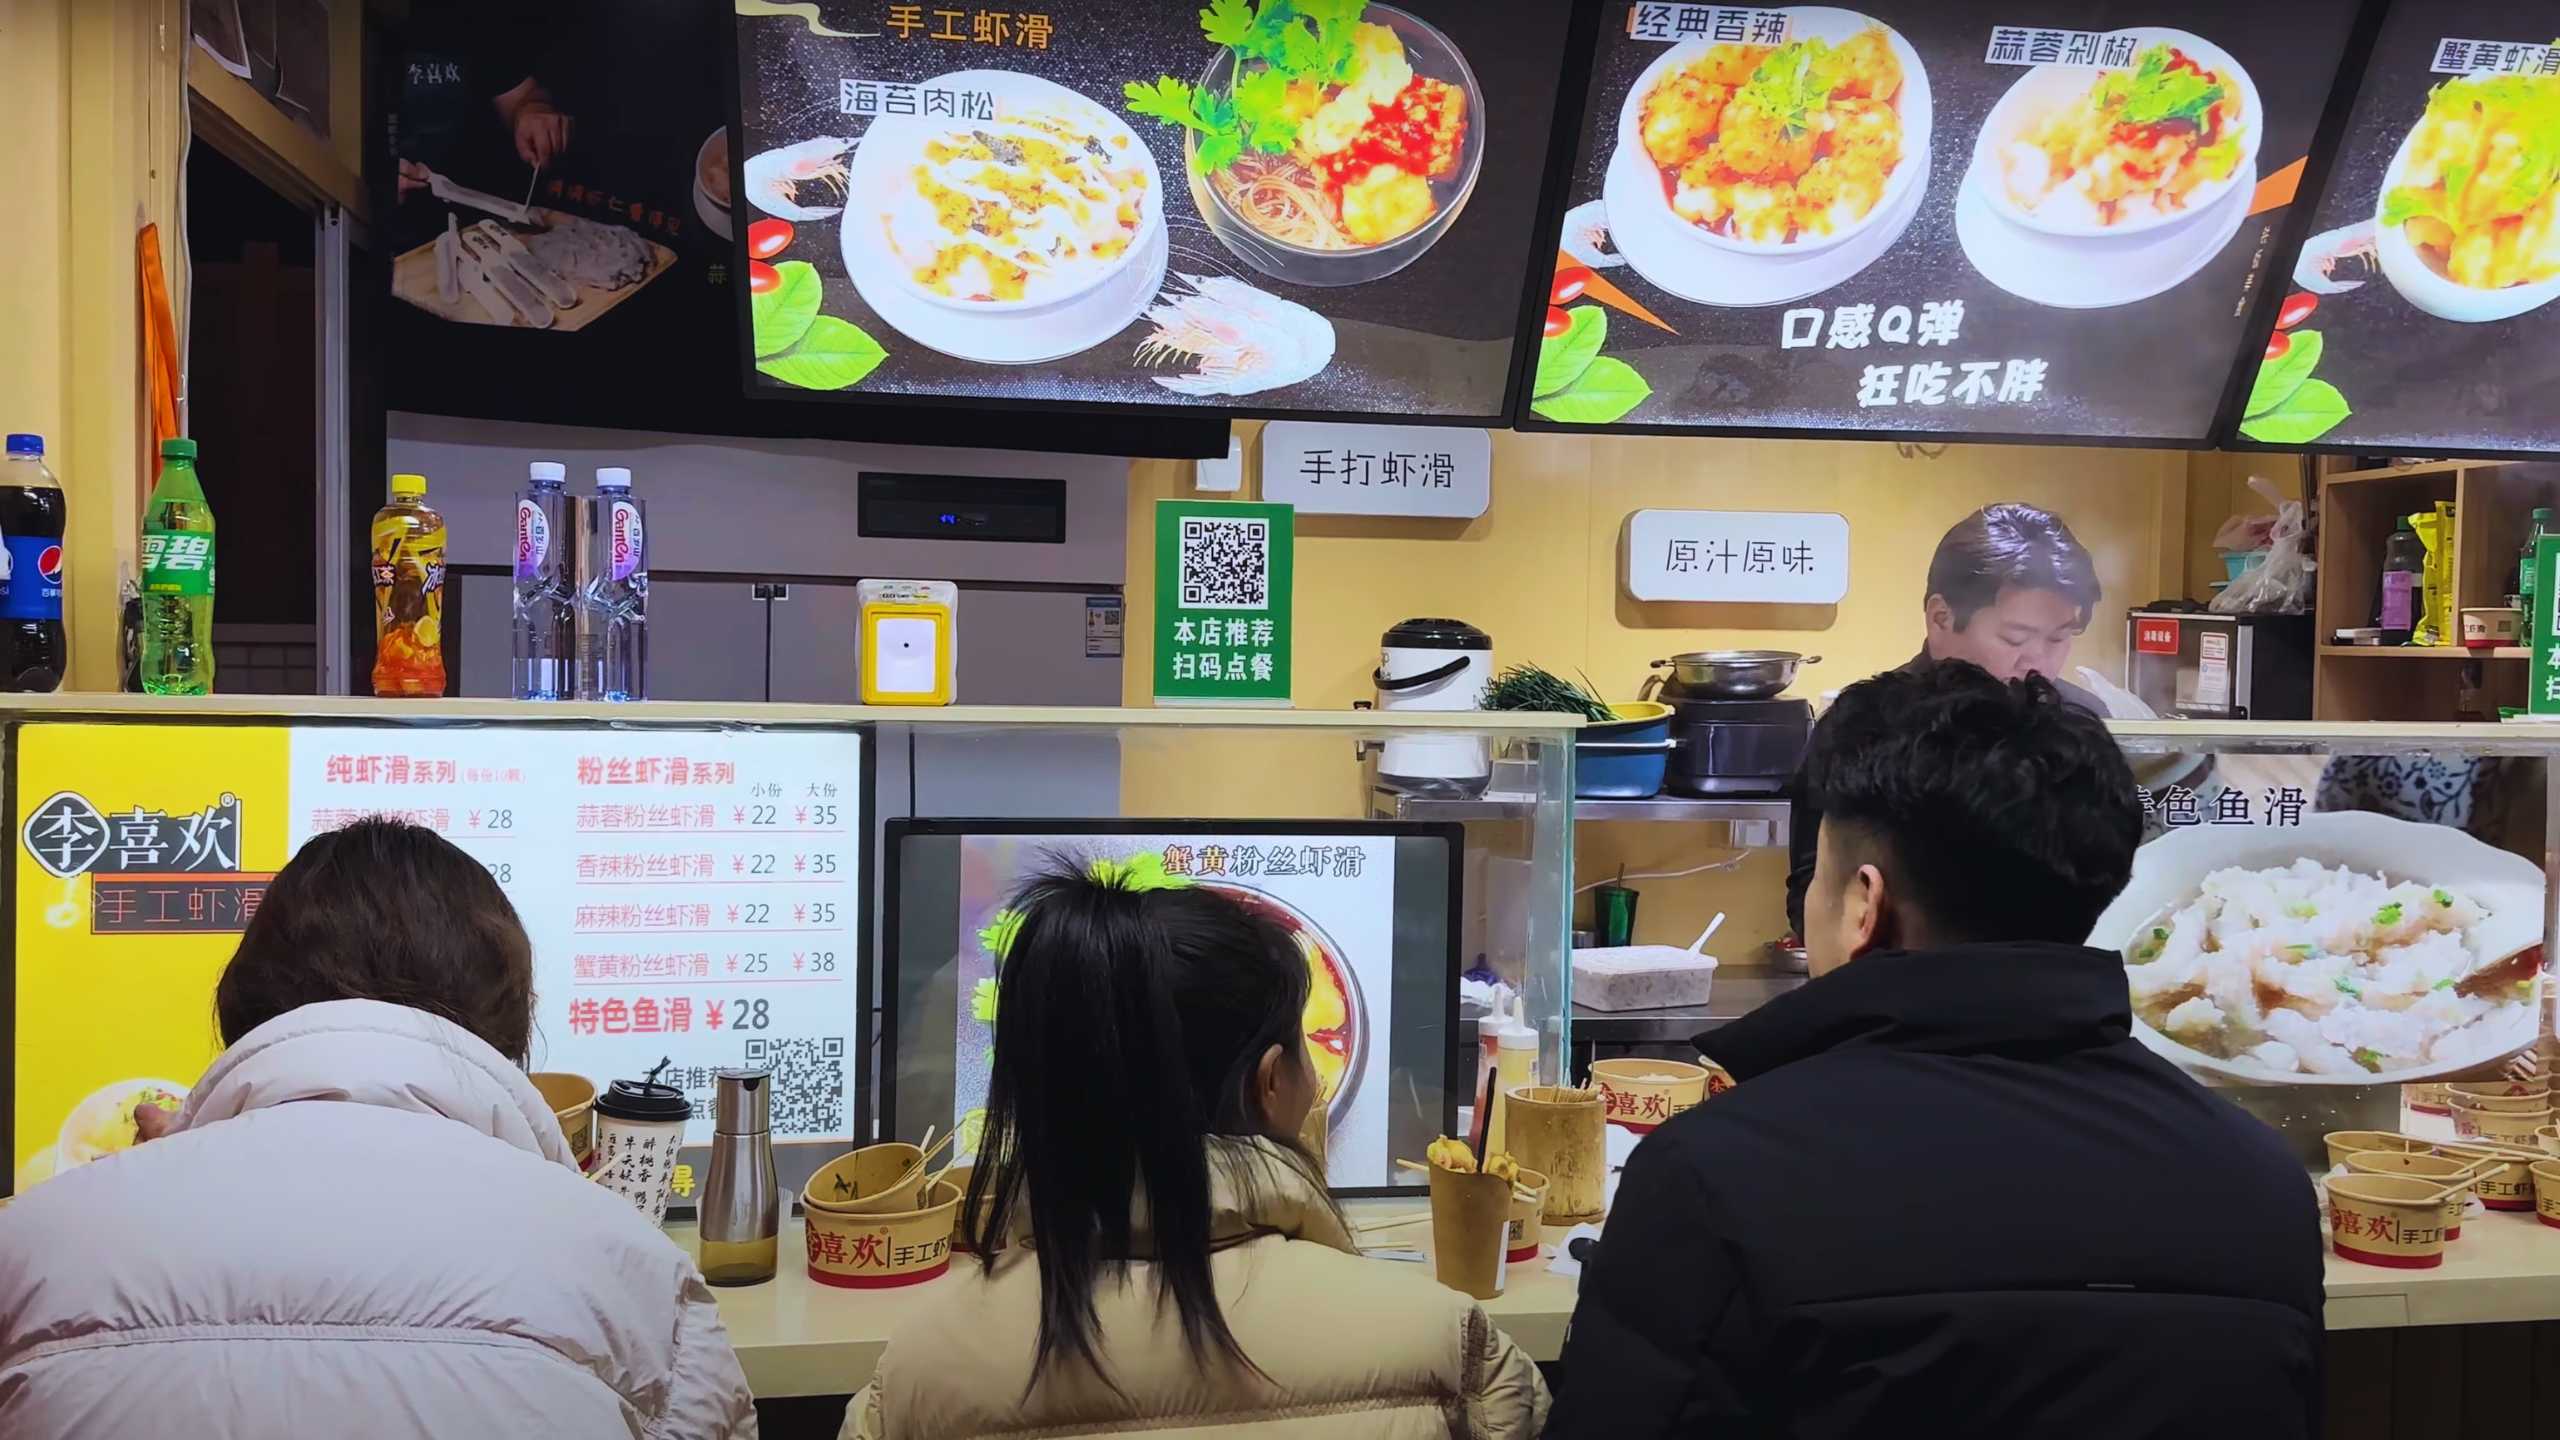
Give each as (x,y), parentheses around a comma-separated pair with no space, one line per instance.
(1222,631)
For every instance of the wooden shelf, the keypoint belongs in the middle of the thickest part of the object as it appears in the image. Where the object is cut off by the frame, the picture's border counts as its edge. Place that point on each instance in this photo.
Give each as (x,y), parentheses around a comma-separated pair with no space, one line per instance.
(2425,652)
(2401,472)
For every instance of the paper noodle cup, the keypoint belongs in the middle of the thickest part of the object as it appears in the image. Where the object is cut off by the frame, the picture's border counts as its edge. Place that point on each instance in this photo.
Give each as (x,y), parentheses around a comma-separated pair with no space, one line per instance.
(1527,1230)
(2425,1099)
(873,1180)
(2505,1127)
(2501,1103)
(1560,1134)
(636,1159)
(2392,1220)
(1470,1225)
(957,1177)
(2507,1185)
(2343,1143)
(2548,1137)
(572,1099)
(2546,1191)
(881,1251)
(1641,1094)
(2440,1168)
(2472,1092)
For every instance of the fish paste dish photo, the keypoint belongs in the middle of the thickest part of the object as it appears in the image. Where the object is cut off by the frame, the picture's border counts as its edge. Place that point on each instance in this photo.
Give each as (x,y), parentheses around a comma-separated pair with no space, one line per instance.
(1773,145)
(2134,147)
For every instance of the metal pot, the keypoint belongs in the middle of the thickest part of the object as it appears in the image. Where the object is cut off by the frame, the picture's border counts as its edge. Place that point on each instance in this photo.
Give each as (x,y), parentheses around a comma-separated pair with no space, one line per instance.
(1729,674)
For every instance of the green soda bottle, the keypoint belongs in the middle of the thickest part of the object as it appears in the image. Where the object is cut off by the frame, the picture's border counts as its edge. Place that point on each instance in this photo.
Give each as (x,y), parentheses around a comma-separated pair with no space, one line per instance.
(177,578)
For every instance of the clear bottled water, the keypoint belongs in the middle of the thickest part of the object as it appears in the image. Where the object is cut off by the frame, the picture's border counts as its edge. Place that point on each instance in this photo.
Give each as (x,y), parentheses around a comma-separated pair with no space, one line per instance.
(546,601)
(615,625)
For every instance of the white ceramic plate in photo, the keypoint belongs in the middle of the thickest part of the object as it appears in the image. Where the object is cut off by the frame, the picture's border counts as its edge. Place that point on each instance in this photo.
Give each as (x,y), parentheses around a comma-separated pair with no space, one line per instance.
(881,174)
(2169,872)
(2045,89)
(1662,247)
(2091,274)
(1053,333)
(2430,289)
(1804,22)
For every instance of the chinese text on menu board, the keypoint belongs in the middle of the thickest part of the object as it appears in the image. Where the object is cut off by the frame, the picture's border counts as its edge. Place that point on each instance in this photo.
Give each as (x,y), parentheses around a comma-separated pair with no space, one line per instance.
(1250,862)
(1737,556)
(1411,469)
(1919,382)
(1011,28)
(877,97)
(692,898)
(2178,806)
(1724,24)
(2473,57)
(2018,45)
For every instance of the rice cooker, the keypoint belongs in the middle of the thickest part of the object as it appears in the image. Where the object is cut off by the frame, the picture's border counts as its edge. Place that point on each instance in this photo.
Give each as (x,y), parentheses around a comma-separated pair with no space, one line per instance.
(1441,665)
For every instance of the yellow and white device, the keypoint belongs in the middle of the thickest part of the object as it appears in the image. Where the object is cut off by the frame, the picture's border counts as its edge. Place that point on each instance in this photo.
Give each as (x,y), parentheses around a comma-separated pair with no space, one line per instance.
(910,640)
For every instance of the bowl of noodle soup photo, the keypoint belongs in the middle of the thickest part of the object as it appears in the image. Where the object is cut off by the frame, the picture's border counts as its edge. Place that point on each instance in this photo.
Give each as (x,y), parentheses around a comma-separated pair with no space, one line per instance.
(2353,949)
(1359,166)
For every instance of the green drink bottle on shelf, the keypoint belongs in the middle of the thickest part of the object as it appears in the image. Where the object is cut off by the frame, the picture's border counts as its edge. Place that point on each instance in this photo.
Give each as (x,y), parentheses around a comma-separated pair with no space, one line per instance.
(177,578)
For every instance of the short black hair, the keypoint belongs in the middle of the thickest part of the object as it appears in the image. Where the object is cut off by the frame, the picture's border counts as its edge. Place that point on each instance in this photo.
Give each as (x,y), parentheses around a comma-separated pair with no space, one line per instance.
(2002,813)
(2000,546)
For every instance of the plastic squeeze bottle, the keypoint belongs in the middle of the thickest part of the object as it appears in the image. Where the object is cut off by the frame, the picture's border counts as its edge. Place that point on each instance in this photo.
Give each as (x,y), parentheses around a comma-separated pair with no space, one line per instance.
(1515,1064)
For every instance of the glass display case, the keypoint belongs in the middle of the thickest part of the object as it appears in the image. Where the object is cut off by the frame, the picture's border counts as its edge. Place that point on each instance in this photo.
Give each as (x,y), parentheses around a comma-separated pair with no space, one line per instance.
(797,887)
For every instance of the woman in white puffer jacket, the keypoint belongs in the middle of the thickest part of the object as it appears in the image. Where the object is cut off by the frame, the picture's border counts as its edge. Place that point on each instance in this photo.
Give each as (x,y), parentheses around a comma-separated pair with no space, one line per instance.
(365,1220)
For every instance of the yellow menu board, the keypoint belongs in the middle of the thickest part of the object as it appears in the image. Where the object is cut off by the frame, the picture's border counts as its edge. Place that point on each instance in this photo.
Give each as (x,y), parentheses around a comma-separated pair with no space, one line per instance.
(142,850)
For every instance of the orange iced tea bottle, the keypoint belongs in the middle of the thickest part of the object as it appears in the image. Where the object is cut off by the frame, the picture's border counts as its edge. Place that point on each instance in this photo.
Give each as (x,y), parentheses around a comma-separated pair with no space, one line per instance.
(408,592)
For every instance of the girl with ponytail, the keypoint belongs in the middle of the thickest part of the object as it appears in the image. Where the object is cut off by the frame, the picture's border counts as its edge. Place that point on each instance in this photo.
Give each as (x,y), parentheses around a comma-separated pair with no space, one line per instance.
(1157,1249)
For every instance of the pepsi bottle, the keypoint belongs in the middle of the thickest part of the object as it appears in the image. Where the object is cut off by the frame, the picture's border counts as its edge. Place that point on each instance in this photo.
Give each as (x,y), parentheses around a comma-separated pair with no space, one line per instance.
(34,652)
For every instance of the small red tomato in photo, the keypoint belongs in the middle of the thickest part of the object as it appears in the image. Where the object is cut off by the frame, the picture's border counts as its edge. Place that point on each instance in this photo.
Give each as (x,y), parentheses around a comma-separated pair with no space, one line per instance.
(762,278)
(2277,344)
(2297,308)
(1557,322)
(1571,281)
(768,238)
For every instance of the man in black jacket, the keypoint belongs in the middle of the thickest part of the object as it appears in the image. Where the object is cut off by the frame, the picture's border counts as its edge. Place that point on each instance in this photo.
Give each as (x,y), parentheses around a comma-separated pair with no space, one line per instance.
(1952,1195)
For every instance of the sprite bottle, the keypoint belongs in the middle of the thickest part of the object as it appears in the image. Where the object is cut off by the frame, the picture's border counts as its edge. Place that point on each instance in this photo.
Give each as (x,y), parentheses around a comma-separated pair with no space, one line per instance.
(177,578)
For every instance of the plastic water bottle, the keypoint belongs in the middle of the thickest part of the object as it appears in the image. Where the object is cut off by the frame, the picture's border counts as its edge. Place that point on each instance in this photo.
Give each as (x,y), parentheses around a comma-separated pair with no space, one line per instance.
(616,631)
(546,600)
(177,578)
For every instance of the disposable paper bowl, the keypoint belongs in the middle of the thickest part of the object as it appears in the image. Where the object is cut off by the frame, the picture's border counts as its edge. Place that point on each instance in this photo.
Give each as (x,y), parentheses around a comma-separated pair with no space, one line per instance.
(872,1180)
(572,1099)
(1822,22)
(1640,1095)
(2423,285)
(2045,87)
(882,165)
(2343,1143)
(2546,1191)
(2390,1220)
(2506,1185)
(887,1250)
(1528,1229)
(2168,873)
(2503,1127)
(2421,1165)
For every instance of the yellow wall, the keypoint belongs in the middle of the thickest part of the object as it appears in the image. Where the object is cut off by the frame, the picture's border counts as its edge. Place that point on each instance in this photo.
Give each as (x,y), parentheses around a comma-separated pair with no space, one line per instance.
(90,92)
(1540,572)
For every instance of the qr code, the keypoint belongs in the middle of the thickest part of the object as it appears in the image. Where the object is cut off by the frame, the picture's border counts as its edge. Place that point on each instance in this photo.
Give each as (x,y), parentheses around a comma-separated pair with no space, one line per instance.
(808,1083)
(1226,564)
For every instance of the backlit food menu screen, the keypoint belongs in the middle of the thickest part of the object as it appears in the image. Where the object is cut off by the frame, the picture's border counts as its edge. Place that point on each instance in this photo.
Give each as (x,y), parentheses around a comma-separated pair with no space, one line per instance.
(1986,217)
(2414,320)
(1274,206)
(693,898)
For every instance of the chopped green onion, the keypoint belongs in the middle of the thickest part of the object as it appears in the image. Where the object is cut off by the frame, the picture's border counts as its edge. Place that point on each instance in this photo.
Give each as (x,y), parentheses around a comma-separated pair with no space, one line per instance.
(2444,984)
(2370,1060)
(2388,914)
(2159,934)
(2303,951)
(2347,986)
(2444,897)
(2303,910)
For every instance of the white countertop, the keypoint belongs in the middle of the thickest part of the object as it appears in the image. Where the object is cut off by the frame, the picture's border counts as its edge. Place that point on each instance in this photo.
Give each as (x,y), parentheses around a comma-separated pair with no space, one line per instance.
(797,1337)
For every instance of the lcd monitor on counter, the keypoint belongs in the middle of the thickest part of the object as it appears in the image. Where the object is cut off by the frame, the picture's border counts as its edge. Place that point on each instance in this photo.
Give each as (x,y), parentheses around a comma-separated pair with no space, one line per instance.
(695,899)
(1955,218)
(1266,208)
(1373,905)
(2415,317)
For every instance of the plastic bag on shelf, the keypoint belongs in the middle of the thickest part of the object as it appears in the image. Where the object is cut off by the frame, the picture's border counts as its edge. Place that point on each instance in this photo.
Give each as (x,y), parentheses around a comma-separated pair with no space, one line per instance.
(2282,585)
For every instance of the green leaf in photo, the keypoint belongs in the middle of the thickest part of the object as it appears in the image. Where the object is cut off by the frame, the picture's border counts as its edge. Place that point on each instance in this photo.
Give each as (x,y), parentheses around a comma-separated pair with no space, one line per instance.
(834,355)
(2280,377)
(1607,390)
(783,314)
(1563,358)
(2309,413)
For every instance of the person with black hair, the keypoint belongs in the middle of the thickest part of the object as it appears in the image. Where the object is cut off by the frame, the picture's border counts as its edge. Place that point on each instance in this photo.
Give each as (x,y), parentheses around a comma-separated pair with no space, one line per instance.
(1157,1248)
(364,1220)
(1951,1192)
(2010,589)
